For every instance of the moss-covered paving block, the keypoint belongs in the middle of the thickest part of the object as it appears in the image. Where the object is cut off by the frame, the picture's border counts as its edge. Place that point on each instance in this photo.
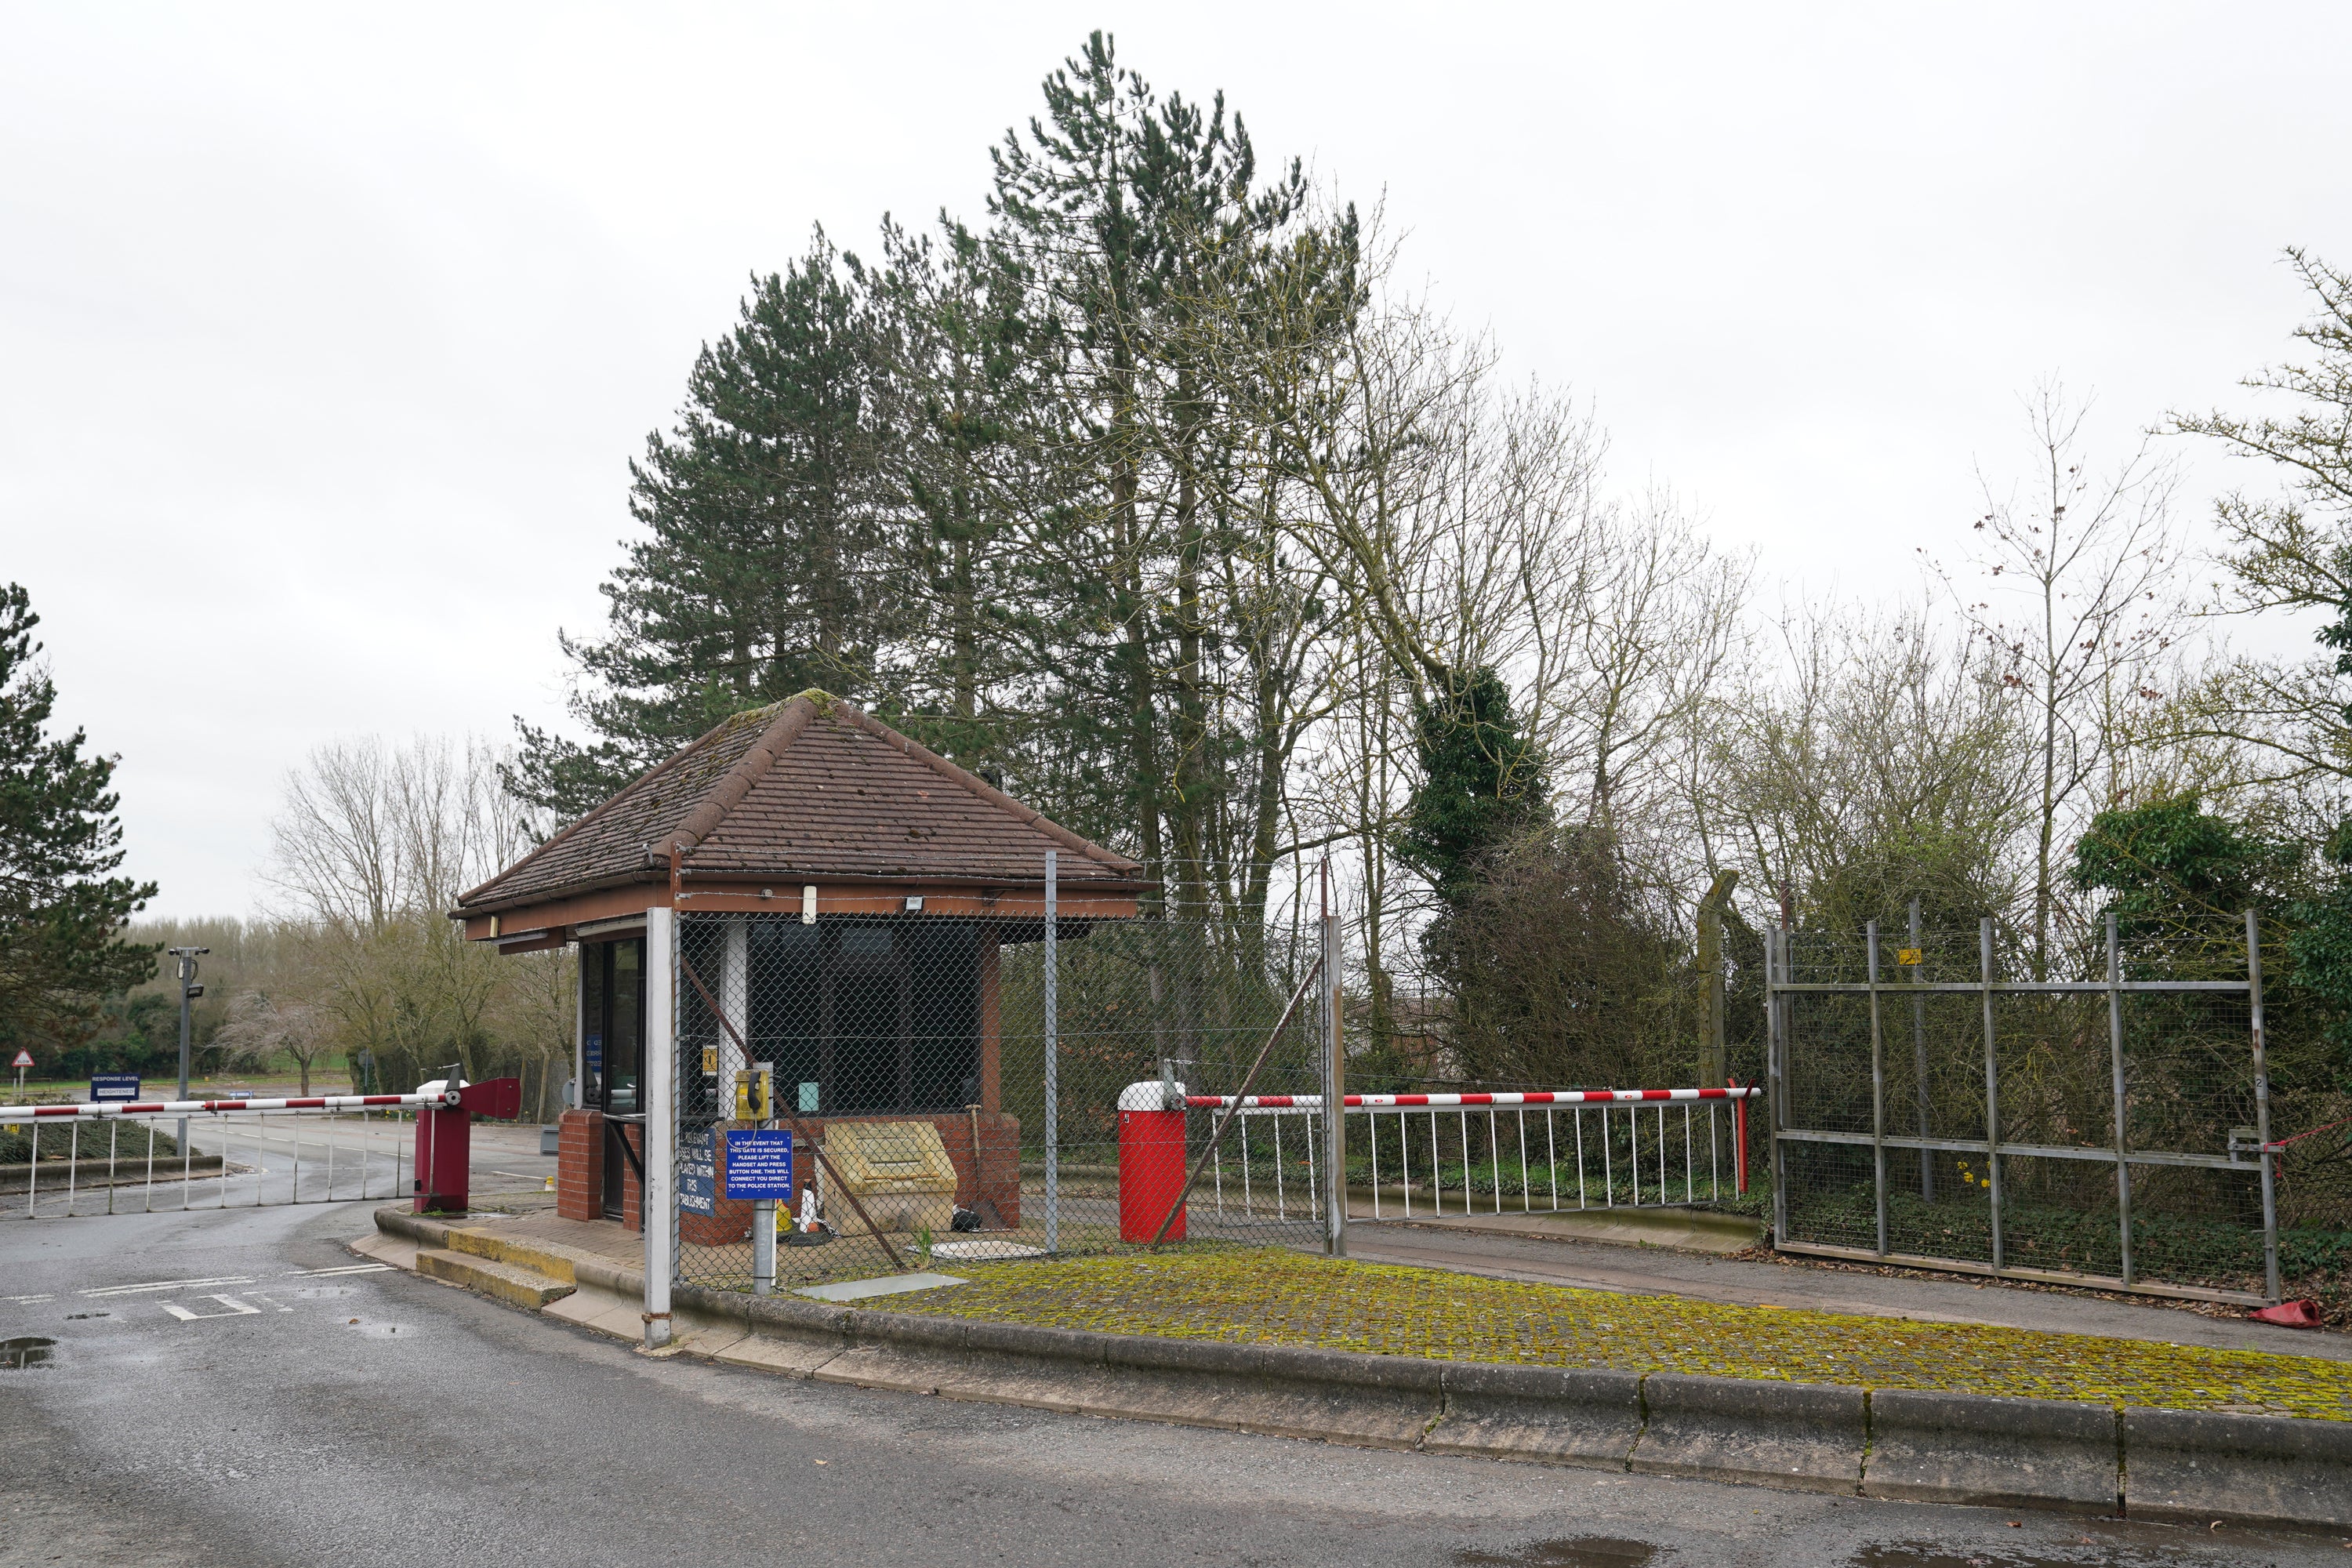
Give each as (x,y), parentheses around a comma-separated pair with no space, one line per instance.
(1276,1297)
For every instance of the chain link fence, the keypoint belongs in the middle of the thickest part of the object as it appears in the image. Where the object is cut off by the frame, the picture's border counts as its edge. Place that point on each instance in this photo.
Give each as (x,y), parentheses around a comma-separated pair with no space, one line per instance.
(951,1086)
(1934,1105)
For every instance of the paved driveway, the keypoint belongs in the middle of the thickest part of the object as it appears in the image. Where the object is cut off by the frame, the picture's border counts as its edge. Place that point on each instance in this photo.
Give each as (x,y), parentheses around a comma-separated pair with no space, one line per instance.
(228,1391)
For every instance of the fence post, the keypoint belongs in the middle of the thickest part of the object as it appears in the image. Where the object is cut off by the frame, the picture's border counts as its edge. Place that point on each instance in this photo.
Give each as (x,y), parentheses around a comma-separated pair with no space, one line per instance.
(1714,1055)
(2116,1067)
(1776,1085)
(1053,1063)
(1335,1114)
(2271,1285)
(1919,1058)
(1877,1091)
(661,1111)
(1992,1092)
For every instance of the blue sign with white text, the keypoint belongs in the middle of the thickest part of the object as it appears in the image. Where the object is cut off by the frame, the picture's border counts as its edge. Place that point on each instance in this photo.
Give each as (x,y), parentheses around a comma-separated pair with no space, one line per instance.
(693,1174)
(107,1088)
(759,1165)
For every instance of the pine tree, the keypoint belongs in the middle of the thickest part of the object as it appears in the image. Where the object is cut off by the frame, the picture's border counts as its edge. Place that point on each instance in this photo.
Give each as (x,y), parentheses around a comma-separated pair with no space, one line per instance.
(767,571)
(1130,212)
(61,914)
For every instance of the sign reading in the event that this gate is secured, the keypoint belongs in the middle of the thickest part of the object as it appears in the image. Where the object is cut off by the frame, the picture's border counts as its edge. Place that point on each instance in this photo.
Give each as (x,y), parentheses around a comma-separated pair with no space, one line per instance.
(759,1165)
(695,1176)
(108,1086)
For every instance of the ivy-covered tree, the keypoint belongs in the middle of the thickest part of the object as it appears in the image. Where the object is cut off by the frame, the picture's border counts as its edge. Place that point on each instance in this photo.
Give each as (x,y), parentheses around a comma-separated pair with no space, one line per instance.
(2171,869)
(61,909)
(1481,785)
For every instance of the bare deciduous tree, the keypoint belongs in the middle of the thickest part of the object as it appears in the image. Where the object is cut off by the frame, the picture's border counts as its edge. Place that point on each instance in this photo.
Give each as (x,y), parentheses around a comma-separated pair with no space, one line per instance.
(2074,569)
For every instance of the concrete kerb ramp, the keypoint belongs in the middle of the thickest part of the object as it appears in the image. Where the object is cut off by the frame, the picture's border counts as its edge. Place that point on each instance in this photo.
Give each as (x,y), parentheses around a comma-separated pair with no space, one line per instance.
(1907,1444)
(1801,1437)
(1932,1446)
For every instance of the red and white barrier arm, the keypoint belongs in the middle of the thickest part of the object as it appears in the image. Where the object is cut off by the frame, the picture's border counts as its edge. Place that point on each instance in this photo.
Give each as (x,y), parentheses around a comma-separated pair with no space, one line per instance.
(108,1111)
(1453,1102)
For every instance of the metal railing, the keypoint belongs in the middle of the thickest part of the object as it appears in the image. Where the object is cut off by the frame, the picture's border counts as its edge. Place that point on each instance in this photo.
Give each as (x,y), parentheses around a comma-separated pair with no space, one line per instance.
(225,1153)
(1544,1152)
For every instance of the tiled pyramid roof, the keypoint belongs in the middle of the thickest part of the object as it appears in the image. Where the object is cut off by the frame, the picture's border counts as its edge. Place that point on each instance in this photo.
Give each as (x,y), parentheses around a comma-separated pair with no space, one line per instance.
(807,788)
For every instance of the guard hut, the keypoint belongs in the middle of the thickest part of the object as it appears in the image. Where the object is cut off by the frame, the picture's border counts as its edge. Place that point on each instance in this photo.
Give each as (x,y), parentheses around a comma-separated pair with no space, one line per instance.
(863,888)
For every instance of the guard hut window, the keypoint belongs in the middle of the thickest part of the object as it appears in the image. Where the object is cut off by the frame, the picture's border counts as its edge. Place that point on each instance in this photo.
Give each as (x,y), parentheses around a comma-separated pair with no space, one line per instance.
(883,1017)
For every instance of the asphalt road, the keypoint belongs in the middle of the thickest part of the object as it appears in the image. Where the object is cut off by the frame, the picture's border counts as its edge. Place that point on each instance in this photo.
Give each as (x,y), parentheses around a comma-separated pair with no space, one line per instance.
(227,1391)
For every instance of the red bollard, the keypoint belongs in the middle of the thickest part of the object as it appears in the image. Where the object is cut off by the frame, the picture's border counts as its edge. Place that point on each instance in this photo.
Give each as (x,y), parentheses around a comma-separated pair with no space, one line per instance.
(443,1158)
(1150,1161)
(445,1140)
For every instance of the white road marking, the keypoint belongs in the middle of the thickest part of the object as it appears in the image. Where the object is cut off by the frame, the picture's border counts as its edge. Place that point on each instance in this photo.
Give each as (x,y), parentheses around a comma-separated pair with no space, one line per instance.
(165,1285)
(236,1308)
(275,1304)
(27,1300)
(346,1269)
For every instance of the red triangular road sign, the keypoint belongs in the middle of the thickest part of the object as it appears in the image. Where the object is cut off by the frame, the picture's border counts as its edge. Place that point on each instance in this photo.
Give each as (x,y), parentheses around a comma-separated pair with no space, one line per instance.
(23,1060)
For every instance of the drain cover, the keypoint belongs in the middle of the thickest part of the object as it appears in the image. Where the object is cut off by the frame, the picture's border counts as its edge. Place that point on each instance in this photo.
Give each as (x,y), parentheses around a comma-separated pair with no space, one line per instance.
(27,1350)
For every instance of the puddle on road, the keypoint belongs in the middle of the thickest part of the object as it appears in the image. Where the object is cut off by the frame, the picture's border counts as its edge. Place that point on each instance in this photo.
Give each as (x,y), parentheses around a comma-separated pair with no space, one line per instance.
(2092,1553)
(1929,1554)
(1575,1551)
(25,1350)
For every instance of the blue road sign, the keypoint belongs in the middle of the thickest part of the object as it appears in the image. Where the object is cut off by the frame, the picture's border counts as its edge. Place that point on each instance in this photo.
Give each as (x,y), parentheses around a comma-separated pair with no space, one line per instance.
(759,1165)
(107,1086)
(693,1174)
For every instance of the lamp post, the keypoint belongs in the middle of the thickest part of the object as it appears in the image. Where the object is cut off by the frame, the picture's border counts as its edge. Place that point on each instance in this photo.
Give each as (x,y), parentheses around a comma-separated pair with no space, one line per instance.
(189,992)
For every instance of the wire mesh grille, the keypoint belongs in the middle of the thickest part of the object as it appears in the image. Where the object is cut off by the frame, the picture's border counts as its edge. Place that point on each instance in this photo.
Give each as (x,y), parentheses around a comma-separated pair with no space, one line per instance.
(952,1093)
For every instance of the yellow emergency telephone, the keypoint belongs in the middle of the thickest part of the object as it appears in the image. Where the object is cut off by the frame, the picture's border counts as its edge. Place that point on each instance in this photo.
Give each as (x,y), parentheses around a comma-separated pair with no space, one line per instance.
(754,1100)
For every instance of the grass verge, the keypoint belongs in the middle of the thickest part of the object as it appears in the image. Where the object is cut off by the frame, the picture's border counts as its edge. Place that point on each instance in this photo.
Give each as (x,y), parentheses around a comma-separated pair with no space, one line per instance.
(1276,1297)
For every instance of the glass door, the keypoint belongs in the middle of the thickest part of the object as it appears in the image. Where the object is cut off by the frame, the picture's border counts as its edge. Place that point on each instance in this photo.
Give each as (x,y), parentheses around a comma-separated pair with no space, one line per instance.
(616,1034)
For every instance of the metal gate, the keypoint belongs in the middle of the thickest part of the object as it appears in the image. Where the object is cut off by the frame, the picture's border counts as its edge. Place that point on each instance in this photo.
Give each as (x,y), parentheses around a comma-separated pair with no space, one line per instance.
(1929,1110)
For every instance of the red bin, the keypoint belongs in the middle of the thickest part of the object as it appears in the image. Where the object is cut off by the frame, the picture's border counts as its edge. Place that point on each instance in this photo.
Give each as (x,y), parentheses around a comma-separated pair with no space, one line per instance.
(1150,1161)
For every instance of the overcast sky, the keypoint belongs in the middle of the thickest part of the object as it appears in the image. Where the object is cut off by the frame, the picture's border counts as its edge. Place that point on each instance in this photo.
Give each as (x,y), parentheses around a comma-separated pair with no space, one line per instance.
(325,336)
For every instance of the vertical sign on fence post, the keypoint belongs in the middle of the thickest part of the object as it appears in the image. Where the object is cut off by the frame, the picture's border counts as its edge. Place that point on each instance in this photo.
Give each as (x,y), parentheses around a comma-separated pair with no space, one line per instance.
(1053,1067)
(661,1114)
(1335,1109)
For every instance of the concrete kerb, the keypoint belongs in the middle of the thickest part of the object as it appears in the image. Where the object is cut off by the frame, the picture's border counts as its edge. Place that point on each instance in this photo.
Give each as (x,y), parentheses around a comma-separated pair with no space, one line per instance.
(1932,1446)
(1556,1416)
(1802,1437)
(1896,1443)
(2198,1466)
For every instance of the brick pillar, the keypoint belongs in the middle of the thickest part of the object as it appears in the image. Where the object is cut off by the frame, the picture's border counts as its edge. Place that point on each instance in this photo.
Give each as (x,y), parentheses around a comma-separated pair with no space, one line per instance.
(993,1171)
(580,1165)
(990,1023)
(631,1201)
